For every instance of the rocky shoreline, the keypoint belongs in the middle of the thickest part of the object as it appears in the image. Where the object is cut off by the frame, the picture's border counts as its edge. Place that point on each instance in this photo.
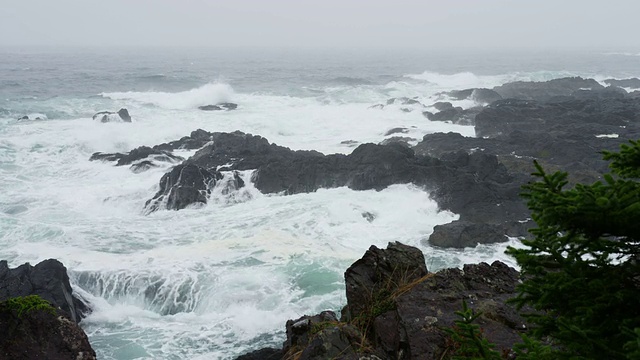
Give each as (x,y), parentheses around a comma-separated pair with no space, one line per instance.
(562,123)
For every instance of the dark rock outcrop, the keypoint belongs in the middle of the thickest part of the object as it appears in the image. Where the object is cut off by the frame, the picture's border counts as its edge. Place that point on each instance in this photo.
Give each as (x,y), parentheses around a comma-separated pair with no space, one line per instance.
(475,186)
(456,115)
(480,95)
(48,279)
(221,106)
(460,234)
(184,185)
(397,310)
(40,334)
(545,90)
(137,154)
(633,83)
(121,115)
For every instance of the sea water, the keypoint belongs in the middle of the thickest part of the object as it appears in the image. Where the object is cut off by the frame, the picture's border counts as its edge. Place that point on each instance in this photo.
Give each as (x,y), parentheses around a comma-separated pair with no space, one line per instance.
(217,281)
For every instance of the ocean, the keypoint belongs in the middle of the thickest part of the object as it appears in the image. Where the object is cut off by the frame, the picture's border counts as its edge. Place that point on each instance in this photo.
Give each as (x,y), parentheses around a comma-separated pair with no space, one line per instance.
(218,281)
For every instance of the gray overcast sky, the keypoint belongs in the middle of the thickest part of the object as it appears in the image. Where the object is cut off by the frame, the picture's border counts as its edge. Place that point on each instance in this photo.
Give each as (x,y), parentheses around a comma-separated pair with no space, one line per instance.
(323,23)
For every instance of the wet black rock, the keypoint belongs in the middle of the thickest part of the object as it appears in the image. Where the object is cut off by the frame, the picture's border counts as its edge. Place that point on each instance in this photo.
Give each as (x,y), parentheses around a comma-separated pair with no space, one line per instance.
(218,107)
(137,154)
(184,185)
(480,95)
(456,115)
(460,234)
(49,280)
(107,116)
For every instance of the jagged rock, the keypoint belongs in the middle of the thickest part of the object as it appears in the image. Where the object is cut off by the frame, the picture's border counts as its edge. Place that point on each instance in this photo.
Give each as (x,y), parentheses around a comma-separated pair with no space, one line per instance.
(48,279)
(184,185)
(137,154)
(546,90)
(633,83)
(107,116)
(459,184)
(221,106)
(39,334)
(480,95)
(397,310)
(368,278)
(429,307)
(321,337)
(456,115)
(460,234)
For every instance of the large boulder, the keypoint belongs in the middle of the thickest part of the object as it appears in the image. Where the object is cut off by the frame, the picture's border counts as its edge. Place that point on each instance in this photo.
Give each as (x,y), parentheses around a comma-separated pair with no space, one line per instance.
(461,234)
(40,333)
(49,280)
(545,90)
(185,185)
(121,115)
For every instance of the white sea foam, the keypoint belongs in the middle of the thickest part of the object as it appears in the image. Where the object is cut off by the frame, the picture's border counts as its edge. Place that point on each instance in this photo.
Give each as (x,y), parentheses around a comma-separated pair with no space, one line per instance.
(212,93)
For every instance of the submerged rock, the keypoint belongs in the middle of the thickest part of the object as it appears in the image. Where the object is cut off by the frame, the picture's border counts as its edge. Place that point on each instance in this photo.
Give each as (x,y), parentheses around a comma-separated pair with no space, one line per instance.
(107,116)
(49,280)
(218,107)
(137,154)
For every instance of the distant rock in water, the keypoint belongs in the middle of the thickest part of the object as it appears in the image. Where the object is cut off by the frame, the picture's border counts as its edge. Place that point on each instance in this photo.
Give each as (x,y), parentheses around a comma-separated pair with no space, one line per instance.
(107,116)
(219,107)
(47,279)
(633,83)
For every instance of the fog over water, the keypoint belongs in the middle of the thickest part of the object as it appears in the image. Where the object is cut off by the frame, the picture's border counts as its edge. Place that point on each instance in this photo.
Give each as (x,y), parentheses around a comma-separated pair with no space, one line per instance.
(329,23)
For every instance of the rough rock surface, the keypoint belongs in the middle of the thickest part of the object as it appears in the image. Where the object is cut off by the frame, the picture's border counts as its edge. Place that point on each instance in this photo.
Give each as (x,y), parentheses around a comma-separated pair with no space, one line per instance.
(48,279)
(121,115)
(184,185)
(546,90)
(633,83)
(38,334)
(479,95)
(397,310)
